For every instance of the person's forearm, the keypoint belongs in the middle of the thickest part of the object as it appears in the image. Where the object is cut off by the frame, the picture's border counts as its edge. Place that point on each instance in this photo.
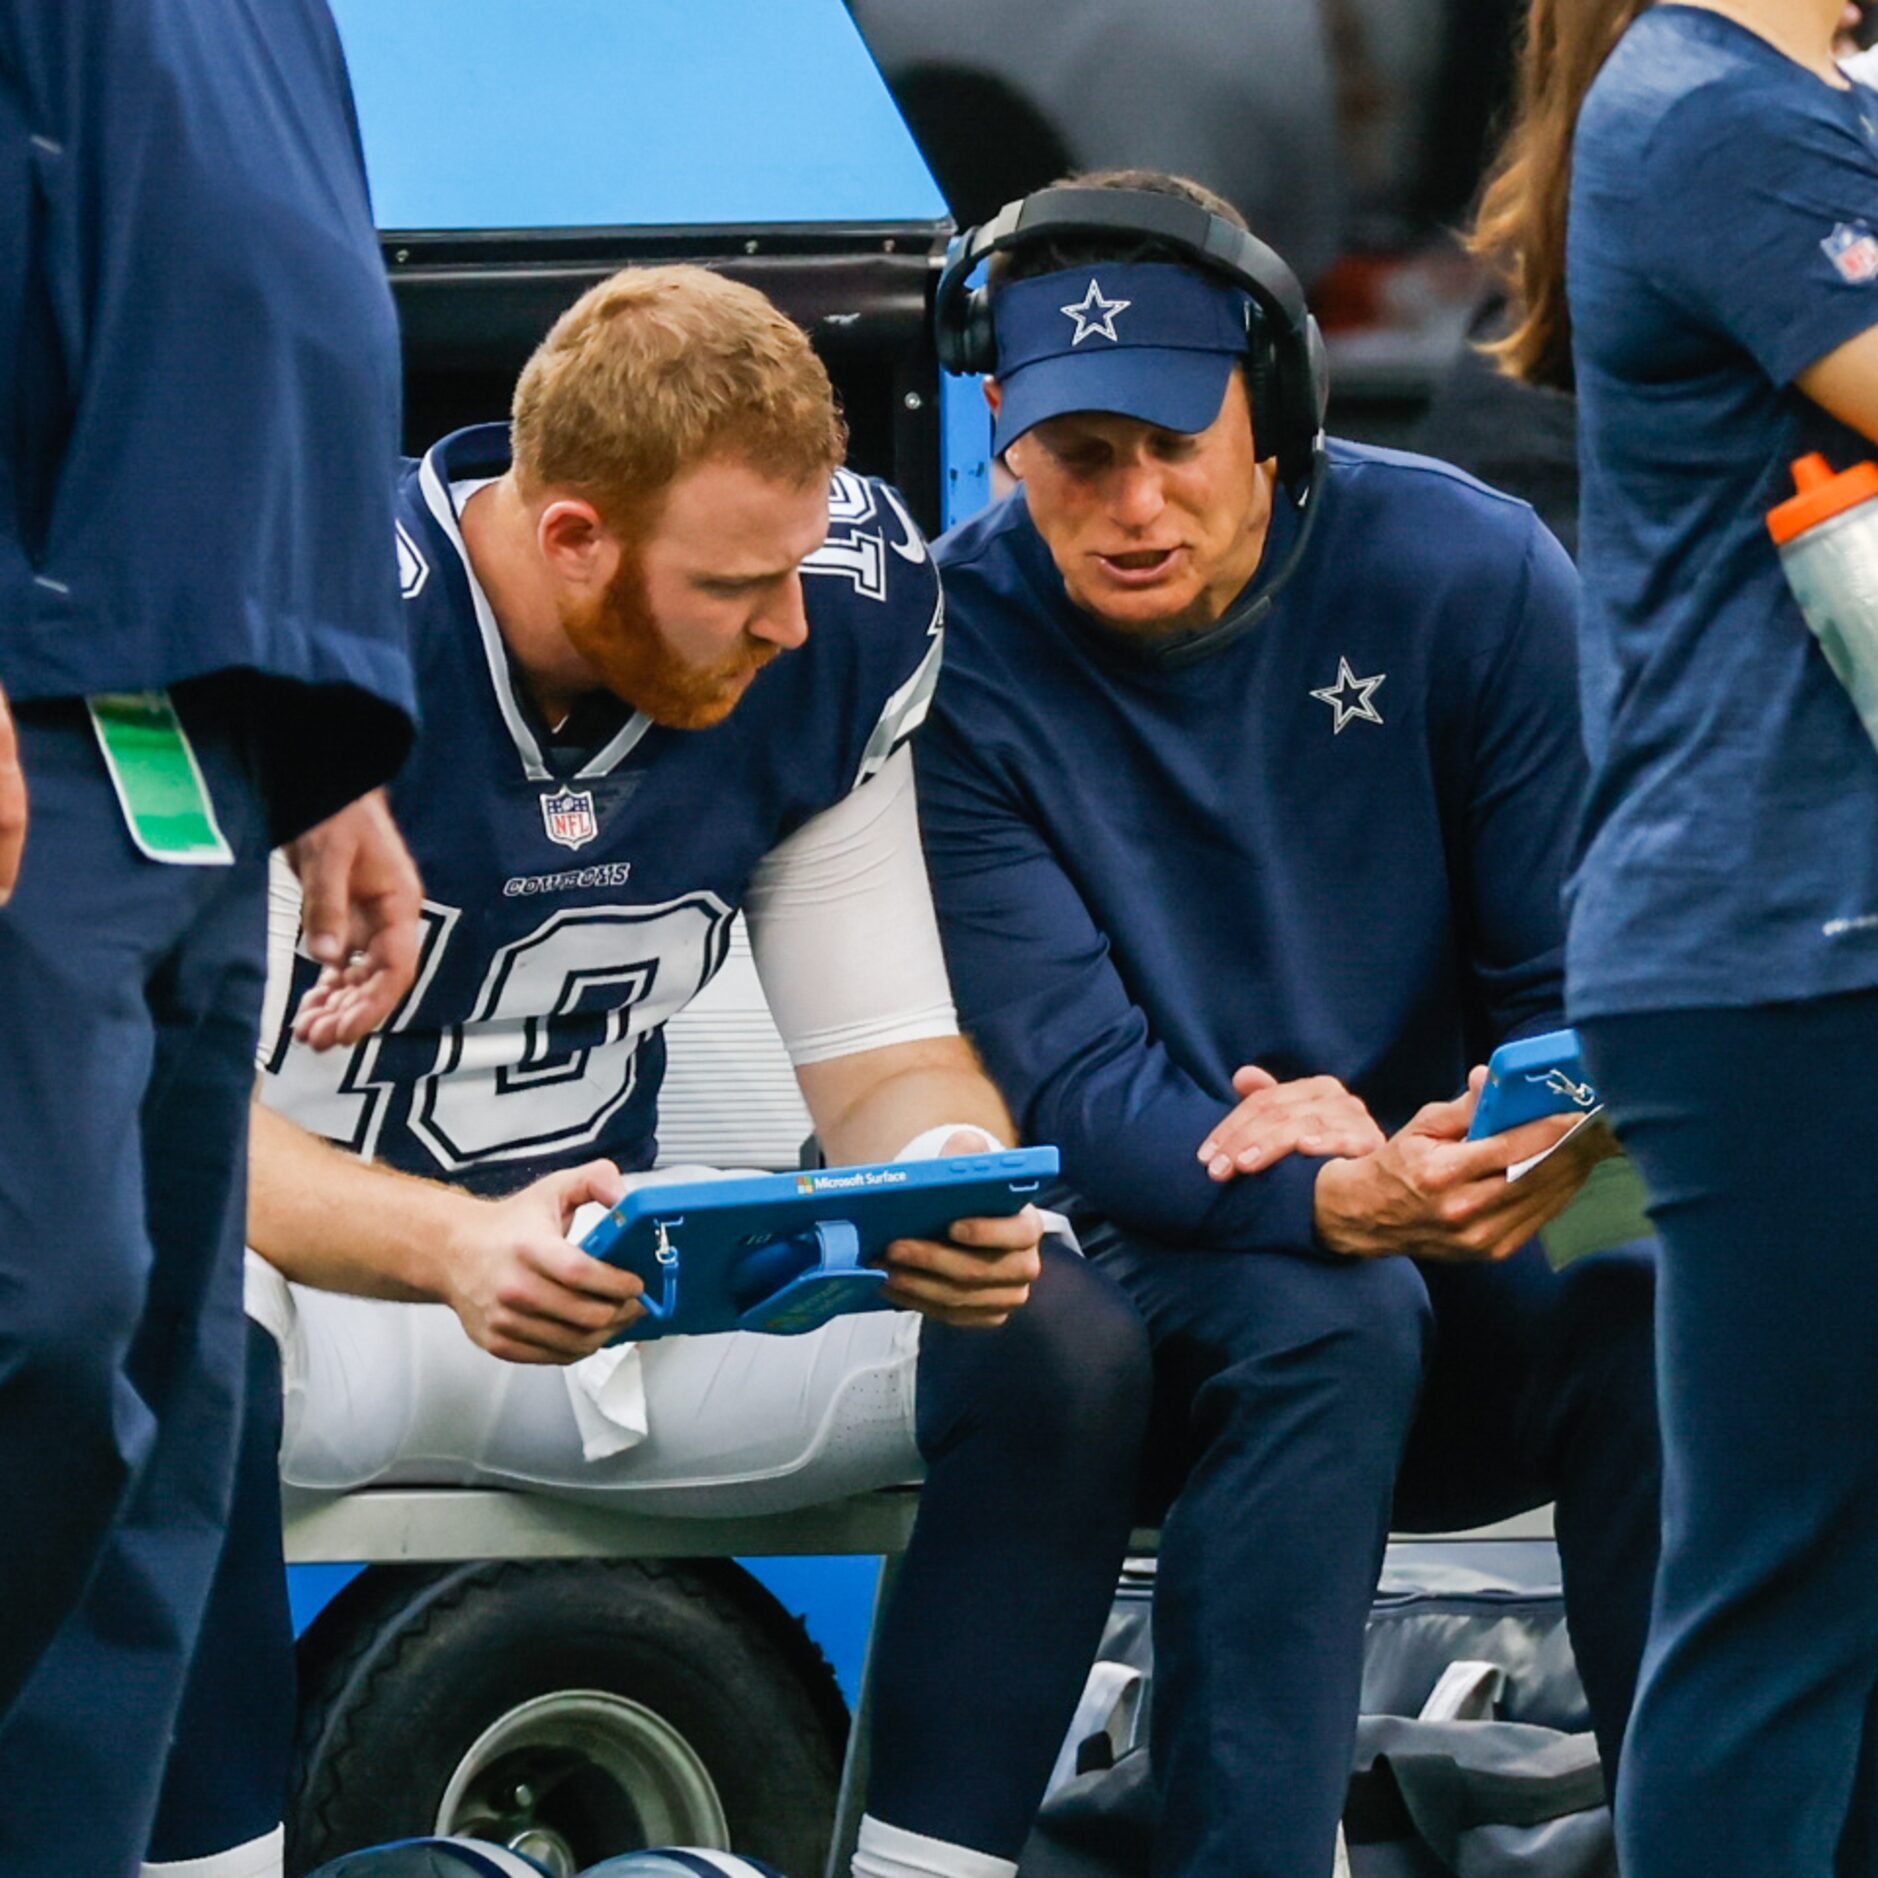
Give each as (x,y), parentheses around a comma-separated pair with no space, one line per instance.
(327,1219)
(892,1111)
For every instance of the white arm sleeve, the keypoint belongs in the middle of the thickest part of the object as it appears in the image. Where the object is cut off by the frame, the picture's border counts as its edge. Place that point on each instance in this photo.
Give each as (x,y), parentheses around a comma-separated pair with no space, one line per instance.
(842,927)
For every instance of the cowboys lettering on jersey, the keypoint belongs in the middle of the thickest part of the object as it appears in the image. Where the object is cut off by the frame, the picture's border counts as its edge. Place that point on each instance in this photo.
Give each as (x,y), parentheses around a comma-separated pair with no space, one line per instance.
(581,881)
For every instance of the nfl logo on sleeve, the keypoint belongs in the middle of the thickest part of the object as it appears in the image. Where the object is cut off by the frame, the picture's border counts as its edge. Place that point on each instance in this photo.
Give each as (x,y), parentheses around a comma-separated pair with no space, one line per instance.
(570,818)
(1853,250)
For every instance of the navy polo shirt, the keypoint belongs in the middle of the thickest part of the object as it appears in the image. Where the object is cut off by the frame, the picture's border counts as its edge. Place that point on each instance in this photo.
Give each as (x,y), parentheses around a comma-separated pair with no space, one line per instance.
(1334,846)
(199,431)
(1724,237)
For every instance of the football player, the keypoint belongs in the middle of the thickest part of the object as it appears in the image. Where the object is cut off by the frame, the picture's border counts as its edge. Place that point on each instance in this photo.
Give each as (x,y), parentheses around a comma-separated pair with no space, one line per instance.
(668,657)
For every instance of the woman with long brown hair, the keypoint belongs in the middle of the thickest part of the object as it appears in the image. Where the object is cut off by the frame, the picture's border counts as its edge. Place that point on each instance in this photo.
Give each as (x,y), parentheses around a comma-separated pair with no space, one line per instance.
(1687,214)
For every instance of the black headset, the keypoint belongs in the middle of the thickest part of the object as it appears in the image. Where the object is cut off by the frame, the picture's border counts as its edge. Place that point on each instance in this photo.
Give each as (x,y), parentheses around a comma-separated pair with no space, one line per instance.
(1287,372)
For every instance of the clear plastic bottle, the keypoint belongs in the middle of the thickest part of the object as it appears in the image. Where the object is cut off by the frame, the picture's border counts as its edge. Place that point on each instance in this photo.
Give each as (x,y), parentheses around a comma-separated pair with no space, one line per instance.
(1827,535)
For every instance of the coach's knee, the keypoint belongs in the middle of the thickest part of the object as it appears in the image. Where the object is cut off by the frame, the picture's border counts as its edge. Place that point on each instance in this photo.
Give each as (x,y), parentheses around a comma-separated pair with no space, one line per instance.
(1076,1360)
(1340,1345)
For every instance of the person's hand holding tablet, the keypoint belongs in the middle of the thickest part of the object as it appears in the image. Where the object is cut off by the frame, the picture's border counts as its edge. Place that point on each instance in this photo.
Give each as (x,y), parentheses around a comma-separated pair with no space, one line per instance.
(978,1277)
(1469,1179)
(1432,1193)
(523,1290)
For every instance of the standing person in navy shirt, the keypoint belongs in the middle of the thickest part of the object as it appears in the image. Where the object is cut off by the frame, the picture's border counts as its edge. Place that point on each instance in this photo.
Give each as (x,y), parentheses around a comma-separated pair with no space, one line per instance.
(194,511)
(1246,844)
(1721,268)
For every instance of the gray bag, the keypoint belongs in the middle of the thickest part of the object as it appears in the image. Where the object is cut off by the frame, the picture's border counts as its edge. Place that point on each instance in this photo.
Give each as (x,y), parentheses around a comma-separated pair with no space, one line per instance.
(1473,1756)
(1458,1790)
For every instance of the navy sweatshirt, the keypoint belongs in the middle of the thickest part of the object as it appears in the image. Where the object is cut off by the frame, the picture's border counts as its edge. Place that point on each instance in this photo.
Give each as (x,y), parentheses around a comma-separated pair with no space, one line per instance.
(1332,847)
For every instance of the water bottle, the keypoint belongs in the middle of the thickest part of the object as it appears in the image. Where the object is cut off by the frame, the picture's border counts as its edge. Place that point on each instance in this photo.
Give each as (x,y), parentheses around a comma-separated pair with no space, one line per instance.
(1827,535)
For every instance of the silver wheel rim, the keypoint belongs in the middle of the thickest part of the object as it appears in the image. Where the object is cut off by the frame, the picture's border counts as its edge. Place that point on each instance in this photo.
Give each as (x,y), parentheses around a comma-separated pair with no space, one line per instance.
(520,1780)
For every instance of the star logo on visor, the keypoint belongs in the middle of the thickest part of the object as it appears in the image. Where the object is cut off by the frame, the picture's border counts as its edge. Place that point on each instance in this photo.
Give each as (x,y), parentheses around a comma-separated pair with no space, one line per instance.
(1352,698)
(1095,316)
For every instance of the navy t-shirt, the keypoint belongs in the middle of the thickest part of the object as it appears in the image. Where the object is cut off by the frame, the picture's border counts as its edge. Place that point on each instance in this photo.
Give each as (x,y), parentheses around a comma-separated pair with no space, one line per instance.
(1333,847)
(1724,238)
(200,415)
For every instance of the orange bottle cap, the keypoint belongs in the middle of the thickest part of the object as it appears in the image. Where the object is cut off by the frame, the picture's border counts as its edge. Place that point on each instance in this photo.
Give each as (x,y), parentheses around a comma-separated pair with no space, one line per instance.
(1822,496)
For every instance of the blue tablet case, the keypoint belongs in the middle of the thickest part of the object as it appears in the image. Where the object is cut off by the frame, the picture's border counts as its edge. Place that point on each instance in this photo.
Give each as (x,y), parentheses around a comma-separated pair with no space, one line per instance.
(1534,1077)
(784,1253)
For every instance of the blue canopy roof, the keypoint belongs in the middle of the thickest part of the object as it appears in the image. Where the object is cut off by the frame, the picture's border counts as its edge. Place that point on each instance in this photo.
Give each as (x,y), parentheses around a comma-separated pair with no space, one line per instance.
(486,114)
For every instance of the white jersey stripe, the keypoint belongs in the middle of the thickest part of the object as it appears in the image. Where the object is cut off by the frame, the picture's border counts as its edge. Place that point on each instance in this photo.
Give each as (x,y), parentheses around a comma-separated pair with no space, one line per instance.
(905,711)
(438,499)
(443,503)
(614,753)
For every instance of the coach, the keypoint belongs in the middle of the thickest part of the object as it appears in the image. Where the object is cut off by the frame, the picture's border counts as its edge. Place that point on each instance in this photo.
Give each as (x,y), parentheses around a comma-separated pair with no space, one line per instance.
(200,637)
(1246,800)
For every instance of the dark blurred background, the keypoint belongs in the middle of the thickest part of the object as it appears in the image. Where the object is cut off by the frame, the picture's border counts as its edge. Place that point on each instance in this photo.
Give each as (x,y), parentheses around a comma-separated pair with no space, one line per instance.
(1351,134)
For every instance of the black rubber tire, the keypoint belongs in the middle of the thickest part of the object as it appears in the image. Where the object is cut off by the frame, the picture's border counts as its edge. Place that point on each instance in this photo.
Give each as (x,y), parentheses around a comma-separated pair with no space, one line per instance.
(409,1665)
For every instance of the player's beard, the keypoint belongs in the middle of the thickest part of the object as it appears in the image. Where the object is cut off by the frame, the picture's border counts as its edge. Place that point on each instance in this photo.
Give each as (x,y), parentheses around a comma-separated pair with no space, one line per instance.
(619,637)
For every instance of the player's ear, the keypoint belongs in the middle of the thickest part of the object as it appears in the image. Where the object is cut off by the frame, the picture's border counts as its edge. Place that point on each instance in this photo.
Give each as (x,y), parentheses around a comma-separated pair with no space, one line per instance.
(994,394)
(577,545)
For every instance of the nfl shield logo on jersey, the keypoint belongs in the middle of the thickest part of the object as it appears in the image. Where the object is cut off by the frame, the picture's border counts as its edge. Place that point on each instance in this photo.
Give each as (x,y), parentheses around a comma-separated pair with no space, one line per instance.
(1853,250)
(569,817)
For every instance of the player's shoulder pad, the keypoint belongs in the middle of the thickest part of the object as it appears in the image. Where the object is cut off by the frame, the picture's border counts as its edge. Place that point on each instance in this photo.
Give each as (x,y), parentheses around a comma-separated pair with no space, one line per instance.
(875,569)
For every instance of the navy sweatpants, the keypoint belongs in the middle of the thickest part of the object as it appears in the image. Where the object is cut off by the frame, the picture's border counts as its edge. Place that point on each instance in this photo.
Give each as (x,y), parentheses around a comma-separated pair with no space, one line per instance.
(129,997)
(1031,1435)
(1303,1406)
(1753,1747)
(225,1782)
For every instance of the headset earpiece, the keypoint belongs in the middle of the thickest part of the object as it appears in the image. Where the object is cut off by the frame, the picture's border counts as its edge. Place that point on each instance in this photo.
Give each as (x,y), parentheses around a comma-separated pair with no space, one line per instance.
(963,334)
(1297,398)
(969,343)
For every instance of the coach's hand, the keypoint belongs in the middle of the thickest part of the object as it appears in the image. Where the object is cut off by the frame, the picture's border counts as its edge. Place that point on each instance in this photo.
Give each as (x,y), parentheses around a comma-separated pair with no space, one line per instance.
(12,804)
(978,1277)
(1314,1115)
(1431,1193)
(360,916)
(523,1291)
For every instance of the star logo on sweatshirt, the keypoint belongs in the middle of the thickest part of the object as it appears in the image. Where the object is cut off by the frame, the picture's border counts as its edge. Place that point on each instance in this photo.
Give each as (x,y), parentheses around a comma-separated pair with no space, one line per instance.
(1353,699)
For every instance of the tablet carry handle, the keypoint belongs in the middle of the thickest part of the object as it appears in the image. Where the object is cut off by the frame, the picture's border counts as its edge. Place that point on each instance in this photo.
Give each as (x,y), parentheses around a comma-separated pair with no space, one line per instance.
(800,1281)
(835,1282)
(839,1244)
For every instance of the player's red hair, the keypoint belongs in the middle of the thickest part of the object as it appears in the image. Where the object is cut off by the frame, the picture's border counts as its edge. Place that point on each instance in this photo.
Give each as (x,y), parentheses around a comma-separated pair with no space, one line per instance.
(658,369)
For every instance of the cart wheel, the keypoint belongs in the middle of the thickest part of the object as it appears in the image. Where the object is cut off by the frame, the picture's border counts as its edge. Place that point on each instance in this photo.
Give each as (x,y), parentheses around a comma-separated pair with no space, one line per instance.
(570,1710)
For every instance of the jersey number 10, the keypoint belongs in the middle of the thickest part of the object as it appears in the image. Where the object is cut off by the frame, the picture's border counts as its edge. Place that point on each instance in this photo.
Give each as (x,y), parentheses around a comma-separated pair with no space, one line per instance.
(548,1051)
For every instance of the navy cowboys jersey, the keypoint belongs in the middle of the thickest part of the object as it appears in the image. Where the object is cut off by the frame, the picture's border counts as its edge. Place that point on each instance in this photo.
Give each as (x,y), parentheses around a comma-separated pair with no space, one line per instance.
(580,893)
